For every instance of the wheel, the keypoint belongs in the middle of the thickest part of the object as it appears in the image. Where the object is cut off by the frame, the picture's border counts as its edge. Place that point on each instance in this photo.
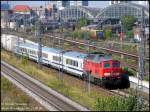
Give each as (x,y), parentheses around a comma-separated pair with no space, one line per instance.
(95,81)
(125,83)
(84,77)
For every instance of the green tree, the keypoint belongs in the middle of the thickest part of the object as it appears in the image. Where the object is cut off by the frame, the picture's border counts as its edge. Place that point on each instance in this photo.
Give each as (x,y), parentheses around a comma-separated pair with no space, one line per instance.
(127,22)
(107,33)
(81,22)
(129,34)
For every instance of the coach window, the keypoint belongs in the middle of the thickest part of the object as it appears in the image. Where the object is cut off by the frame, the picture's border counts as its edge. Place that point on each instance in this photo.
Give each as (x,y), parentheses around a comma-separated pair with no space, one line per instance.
(72,63)
(44,55)
(25,50)
(34,52)
(21,49)
(56,58)
(69,62)
(76,64)
(30,51)
(66,61)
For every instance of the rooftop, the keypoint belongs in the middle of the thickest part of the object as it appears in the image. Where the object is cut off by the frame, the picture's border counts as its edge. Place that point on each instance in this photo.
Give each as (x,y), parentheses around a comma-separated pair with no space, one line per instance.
(21,8)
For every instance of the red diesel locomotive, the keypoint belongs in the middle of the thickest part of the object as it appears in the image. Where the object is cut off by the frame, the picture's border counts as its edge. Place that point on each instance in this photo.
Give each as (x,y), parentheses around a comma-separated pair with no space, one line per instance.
(104,71)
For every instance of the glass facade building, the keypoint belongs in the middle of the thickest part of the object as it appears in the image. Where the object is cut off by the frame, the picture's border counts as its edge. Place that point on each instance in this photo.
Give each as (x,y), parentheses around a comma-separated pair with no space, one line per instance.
(118,10)
(76,12)
(115,11)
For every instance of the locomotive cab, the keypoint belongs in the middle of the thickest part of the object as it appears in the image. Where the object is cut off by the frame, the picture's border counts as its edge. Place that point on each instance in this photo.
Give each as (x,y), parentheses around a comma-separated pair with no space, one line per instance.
(103,70)
(111,69)
(102,66)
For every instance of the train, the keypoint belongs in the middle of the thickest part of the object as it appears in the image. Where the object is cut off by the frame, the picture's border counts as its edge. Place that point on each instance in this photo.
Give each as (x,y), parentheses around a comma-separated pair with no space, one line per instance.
(97,67)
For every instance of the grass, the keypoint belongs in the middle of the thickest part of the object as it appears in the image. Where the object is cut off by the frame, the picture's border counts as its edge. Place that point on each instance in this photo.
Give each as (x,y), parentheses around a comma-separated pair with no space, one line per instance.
(77,94)
(146,77)
(12,99)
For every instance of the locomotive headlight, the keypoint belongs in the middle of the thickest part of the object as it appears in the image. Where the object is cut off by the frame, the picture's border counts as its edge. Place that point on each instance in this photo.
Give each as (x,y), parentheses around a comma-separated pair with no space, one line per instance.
(106,74)
(117,73)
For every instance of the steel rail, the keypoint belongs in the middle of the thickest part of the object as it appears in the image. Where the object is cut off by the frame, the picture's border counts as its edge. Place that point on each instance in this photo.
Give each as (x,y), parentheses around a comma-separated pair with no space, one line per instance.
(39,89)
(82,43)
(116,92)
(9,72)
(106,49)
(30,89)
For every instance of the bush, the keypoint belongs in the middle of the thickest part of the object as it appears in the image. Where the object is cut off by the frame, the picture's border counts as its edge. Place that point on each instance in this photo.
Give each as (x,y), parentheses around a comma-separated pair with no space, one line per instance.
(146,77)
(128,71)
(129,34)
(116,103)
(107,33)
(24,60)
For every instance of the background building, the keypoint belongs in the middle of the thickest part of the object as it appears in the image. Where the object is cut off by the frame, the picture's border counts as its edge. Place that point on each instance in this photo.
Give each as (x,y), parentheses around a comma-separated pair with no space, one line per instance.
(117,2)
(73,13)
(116,11)
(62,4)
(5,11)
(146,3)
(22,9)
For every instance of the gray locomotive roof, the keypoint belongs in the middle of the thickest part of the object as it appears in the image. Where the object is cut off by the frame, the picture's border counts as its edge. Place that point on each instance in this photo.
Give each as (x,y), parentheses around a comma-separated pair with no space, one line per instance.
(98,57)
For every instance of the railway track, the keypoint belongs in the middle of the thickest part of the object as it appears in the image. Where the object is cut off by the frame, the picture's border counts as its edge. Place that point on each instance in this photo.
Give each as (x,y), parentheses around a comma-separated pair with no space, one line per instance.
(102,48)
(134,56)
(130,65)
(42,93)
(120,93)
(13,74)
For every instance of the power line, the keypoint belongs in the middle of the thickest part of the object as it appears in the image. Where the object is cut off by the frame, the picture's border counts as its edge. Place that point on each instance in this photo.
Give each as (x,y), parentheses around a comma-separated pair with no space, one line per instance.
(38,36)
(141,60)
(61,44)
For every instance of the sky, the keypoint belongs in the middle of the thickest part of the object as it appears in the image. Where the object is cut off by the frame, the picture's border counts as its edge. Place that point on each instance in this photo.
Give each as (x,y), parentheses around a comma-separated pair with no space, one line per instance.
(98,4)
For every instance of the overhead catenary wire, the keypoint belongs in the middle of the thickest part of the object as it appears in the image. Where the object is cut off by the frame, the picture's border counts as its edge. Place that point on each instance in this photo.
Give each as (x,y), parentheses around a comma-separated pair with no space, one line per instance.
(39,38)
(140,74)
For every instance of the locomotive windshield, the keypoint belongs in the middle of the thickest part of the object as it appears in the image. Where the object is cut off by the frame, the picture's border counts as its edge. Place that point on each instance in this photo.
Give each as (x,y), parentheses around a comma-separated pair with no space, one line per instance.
(106,65)
(110,64)
(115,64)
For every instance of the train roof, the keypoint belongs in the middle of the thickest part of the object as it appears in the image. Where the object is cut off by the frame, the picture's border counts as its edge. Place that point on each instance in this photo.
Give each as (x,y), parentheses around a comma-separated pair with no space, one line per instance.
(98,57)
(75,54)
(46,49)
